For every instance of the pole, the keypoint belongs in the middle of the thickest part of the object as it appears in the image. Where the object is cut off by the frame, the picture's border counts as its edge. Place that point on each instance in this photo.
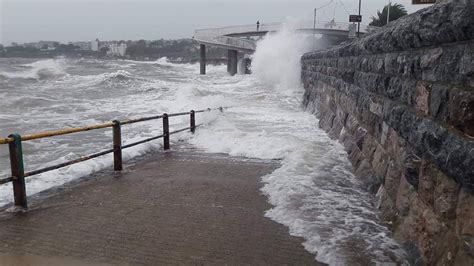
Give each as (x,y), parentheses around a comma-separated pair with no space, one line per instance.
(117,138)
(388,11)
(166,132)
(202,62)
(18,172)
(192,121)
(358,23)
(314,26)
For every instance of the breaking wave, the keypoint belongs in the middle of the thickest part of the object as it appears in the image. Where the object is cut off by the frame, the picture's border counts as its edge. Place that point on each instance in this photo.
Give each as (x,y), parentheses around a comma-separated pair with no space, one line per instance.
(42,70)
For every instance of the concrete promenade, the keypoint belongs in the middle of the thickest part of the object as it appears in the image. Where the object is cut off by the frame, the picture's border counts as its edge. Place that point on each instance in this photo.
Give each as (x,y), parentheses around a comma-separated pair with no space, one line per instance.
(168,208)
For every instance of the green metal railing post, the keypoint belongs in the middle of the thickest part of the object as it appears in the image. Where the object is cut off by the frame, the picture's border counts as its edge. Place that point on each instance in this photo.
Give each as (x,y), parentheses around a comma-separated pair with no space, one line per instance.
(117,136)
(166,132)
(192,121)
(18,171)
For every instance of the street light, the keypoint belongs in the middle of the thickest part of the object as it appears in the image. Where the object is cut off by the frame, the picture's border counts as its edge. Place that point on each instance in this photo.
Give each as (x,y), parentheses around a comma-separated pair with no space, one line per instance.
(316,9)
(388,11)
(358,24)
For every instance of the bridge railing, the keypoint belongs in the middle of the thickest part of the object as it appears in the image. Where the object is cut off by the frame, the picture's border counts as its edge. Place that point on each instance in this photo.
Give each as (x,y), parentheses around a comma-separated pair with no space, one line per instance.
(269,27)
(230,41)
(14,142)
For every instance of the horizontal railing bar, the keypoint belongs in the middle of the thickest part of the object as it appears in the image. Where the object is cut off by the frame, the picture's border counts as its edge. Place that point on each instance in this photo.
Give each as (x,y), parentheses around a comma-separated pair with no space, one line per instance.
(141,142)
(6,180)
(65,131)
(61,165)
(132,121)
(59,132)
(202,111)
(179,114)
(5,140)
(180,130)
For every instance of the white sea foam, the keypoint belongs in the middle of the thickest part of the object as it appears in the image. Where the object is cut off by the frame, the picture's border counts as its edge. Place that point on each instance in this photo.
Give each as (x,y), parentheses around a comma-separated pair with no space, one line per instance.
(44,69)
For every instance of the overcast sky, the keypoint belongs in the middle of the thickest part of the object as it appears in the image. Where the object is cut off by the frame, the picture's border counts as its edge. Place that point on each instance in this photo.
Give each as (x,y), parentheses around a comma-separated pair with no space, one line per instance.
(78,20)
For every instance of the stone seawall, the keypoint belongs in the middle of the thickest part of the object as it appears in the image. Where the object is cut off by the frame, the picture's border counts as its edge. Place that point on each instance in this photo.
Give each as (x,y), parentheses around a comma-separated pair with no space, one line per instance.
(401,100)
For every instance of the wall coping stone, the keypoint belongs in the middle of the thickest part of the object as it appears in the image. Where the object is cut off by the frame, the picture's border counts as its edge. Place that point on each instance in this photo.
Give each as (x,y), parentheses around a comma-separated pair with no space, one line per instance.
(443,23)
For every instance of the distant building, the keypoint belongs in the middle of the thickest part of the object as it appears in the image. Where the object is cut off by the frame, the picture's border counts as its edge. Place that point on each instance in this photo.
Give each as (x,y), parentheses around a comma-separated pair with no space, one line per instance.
(95,45)
(82,45)
(117,49)
(46,45)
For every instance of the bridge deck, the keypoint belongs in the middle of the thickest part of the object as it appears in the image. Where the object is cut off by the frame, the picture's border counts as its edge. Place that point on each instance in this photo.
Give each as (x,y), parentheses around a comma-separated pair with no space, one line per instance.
(168,208)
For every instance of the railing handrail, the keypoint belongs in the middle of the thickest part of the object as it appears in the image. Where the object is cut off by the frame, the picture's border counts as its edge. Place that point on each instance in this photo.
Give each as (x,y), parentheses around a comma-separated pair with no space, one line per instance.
(16,153)
(66,131)
(274,26)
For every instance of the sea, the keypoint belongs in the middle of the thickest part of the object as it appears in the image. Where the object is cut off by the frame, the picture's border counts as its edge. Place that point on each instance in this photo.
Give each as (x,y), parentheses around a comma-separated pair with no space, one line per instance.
(313,193)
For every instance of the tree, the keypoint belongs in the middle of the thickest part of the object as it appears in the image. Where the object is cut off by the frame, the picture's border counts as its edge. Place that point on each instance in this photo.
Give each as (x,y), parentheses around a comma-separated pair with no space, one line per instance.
(396,11)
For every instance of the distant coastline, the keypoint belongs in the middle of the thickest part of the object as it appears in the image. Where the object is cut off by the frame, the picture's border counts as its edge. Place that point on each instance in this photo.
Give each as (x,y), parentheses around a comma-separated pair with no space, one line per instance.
(177,51)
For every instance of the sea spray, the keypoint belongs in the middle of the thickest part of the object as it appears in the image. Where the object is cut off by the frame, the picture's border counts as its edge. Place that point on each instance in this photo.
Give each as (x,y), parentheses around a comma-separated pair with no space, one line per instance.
(42,70)
(276,61)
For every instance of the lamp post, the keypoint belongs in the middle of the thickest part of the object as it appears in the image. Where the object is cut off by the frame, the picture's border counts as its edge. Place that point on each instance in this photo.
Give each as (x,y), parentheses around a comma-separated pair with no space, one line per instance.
(358,23)
(388,11)
(316,9)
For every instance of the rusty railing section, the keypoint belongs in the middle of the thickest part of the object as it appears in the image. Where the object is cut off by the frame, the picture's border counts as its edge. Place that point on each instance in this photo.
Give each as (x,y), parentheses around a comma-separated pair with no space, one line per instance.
(14,142)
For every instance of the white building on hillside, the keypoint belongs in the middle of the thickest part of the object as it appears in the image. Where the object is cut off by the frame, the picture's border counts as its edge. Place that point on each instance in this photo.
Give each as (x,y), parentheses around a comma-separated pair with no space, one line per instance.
(95,45)
(117,49)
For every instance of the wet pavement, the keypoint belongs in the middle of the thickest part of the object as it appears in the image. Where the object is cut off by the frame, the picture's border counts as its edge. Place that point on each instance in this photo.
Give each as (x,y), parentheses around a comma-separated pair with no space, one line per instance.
(168,208)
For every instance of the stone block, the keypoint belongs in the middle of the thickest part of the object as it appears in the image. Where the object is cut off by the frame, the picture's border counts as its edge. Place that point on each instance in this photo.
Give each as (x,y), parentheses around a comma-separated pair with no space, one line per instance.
(408,87)
(434,139)
(365,172)
(409,64)
(408,129)
(412,169)
(422,97)
(461,110)
(448,69)
(379,65)
(429,63)
(465,226)
(352,124)
(392,176)
(355,156)
(386,205)
(466,67)
(439,102)
(390,64)
(459,160)
(384,135)
(376,106)
(379,161)
(405,194)
(427,182)
(327,118)
(336,128)
(394,89)
(359,137)
(445,196)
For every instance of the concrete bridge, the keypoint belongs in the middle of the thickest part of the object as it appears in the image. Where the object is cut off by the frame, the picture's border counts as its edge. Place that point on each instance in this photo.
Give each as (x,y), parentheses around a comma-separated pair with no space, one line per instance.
(240,39)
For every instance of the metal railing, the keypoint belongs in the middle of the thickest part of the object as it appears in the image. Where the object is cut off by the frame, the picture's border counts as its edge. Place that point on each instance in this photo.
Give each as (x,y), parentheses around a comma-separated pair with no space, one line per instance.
(14,142)
(213,32)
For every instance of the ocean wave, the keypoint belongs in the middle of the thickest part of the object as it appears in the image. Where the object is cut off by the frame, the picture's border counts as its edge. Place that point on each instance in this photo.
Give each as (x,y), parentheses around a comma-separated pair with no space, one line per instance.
(41,70)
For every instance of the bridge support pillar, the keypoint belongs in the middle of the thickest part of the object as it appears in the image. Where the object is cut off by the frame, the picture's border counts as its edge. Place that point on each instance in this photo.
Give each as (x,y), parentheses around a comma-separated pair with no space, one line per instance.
(232,62)
(248,65)
(203,60)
